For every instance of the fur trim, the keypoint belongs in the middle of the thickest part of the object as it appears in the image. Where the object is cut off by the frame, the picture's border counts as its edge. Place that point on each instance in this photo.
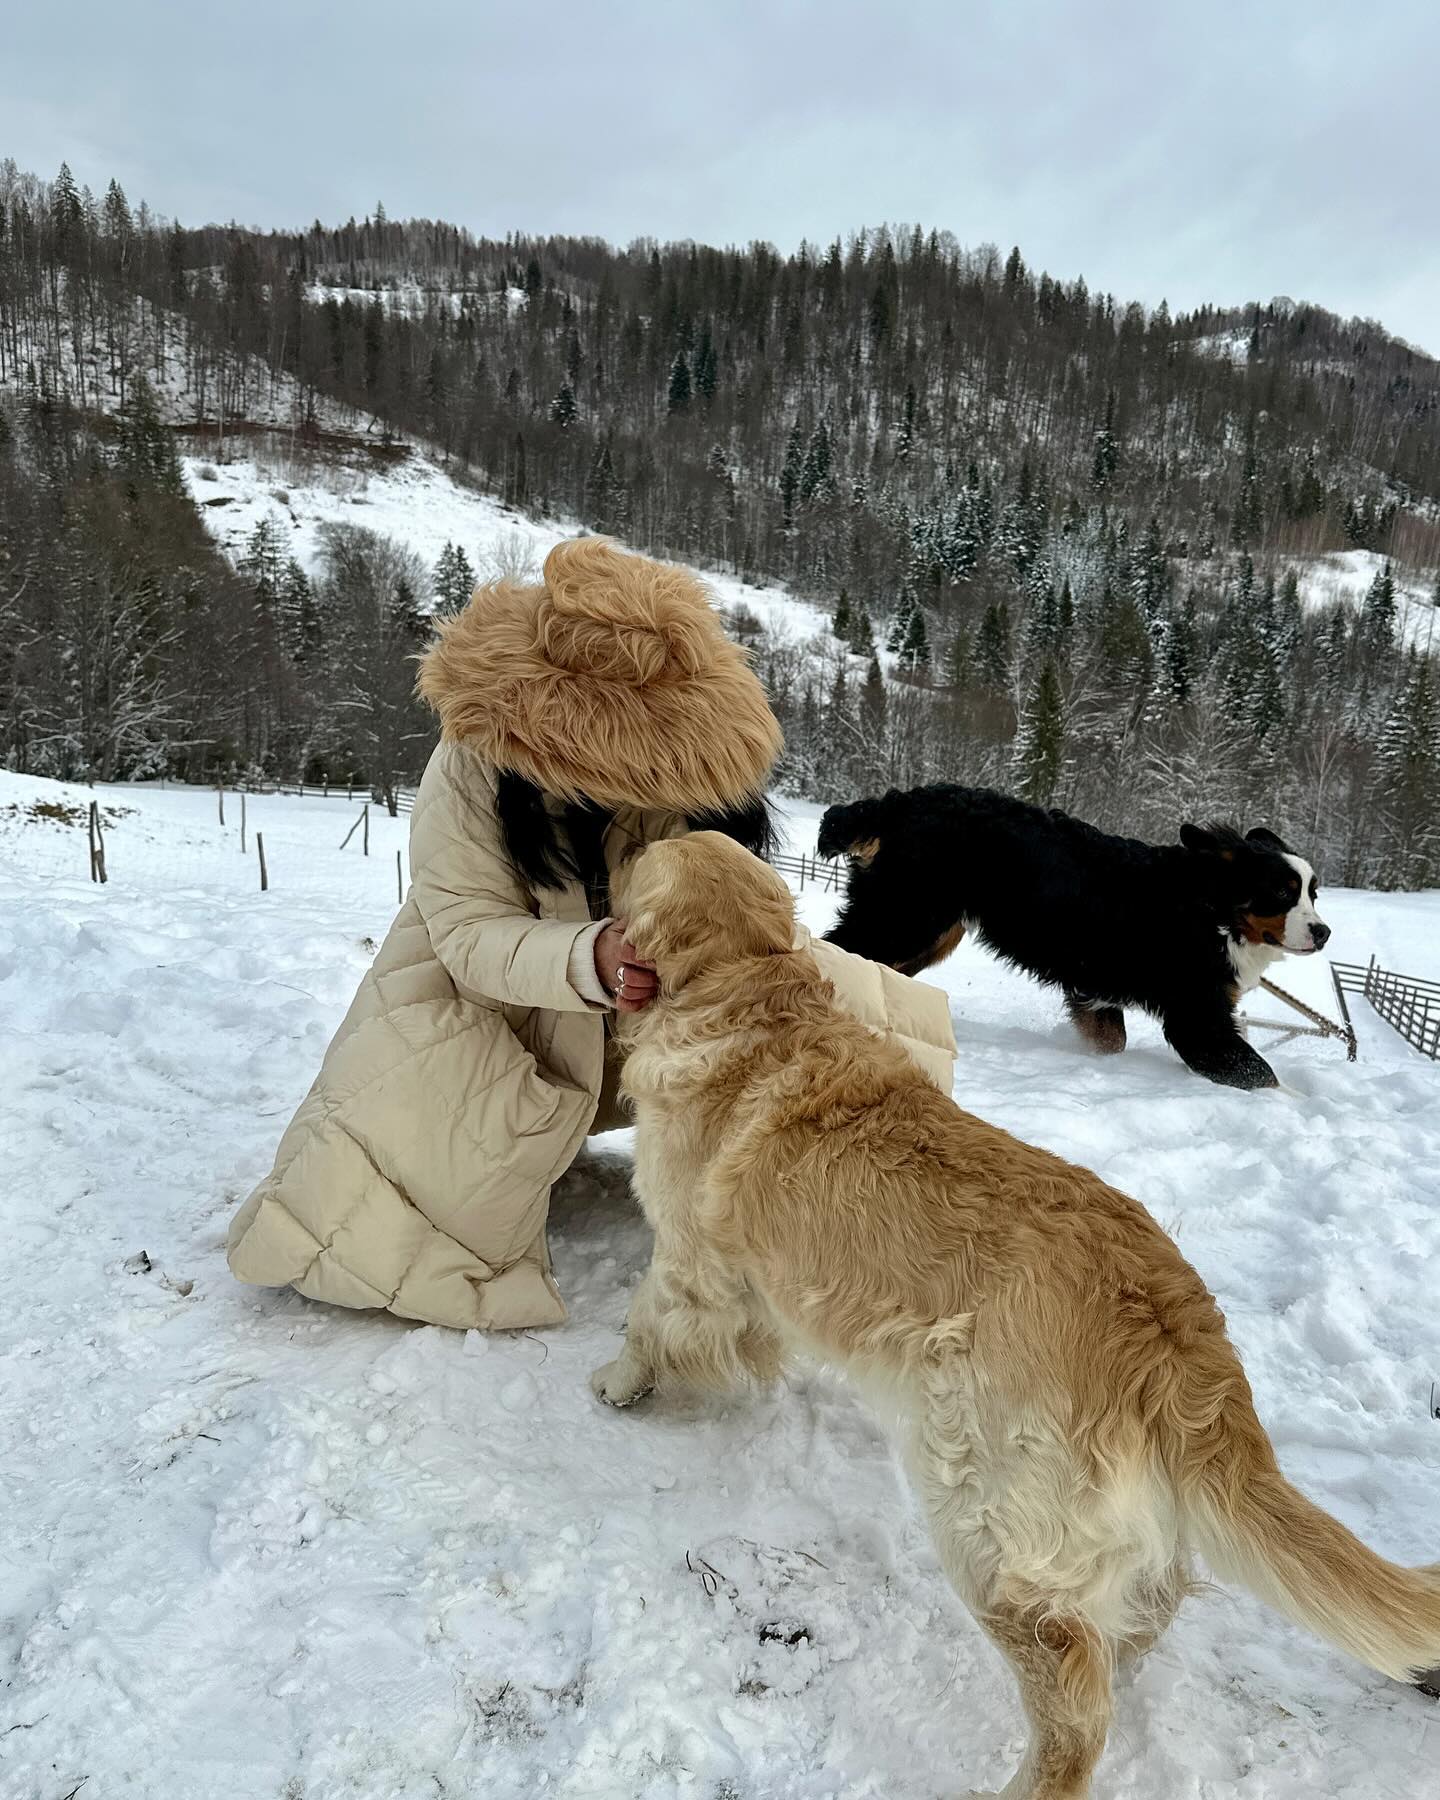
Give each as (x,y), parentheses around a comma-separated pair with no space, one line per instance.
(613,682)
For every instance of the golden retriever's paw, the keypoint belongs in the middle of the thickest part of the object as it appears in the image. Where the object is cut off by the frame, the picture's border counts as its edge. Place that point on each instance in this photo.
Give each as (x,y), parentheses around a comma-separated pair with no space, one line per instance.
(620,1383)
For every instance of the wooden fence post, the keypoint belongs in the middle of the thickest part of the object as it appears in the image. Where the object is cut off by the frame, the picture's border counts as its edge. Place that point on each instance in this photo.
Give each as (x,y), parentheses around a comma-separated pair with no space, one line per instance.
(242,821)
(220,791)
(264,875)
(365,838)
(97,845)
(399,881)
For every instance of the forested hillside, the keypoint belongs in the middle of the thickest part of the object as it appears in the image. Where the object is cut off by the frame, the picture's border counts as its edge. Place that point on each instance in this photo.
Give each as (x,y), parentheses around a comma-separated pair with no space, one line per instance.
(1071,547)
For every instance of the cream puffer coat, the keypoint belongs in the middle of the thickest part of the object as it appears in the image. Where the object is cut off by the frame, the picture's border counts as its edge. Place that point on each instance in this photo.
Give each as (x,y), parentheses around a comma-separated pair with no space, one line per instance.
(473,1061)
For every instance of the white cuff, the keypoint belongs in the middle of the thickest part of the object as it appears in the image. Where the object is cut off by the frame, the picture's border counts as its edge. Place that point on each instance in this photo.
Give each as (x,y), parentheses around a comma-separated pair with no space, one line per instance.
(581,972)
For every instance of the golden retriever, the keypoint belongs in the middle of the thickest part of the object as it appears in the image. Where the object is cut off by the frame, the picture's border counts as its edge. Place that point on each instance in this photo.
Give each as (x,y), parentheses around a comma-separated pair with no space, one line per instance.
(1075,1419)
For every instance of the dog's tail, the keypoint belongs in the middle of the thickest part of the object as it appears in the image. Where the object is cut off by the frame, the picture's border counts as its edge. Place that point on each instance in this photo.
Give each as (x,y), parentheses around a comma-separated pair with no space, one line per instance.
(854,830)
(1257,1530)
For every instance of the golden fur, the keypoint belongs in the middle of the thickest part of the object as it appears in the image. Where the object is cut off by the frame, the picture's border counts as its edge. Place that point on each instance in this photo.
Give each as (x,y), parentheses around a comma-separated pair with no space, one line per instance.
(1075,1419)
(613,681)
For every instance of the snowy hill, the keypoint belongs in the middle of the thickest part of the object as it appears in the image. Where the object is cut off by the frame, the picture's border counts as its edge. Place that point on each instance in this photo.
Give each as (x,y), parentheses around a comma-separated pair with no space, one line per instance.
(253,1548)
(413,499)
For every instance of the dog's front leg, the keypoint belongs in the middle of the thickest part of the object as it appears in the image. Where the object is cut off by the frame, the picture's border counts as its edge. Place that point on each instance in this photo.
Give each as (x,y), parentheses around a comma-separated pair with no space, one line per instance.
(691,1323)
(632,1375)
(1213,1046)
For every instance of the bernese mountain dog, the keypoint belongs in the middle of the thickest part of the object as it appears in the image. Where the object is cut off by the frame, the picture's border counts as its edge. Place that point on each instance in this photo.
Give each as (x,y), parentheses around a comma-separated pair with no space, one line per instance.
(1182,930)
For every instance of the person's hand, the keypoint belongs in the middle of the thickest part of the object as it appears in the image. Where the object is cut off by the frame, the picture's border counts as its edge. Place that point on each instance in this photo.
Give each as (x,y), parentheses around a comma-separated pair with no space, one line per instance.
(623,971)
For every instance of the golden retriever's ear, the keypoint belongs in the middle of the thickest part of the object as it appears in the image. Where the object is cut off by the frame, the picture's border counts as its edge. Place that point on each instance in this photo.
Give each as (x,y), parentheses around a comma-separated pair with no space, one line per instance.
(701,900)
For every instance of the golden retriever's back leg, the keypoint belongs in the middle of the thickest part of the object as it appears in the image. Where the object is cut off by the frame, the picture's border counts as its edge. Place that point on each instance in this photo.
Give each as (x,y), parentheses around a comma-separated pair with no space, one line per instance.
(1063,1668)
(690,1323)
(1155,1606)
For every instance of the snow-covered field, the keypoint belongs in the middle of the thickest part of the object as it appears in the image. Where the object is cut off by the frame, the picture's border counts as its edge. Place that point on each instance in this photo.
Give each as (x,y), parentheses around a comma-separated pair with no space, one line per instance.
(251,1549)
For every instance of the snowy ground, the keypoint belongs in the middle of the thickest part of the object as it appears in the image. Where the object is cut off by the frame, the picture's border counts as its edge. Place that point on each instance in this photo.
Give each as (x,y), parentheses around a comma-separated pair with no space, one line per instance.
(1346,575)
(252,1549)
(418,503)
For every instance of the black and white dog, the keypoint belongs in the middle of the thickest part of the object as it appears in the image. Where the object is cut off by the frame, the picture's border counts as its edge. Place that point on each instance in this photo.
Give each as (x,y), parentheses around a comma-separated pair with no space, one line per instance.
(1182,930)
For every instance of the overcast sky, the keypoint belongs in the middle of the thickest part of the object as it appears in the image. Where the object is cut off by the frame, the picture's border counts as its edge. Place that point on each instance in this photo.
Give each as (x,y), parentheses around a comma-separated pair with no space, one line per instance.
(1207,152)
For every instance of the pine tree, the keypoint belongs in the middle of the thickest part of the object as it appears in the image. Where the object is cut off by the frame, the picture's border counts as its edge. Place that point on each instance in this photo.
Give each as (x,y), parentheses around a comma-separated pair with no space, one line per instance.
(678,397)
(453,580)
(862,631)
(843,624)
(147,450)
(900,624)
(1106,460)
(815,471)
(838,727)
(1409,784)
(563,410)
(1040,744)
(118,222)
(905,437)
(295,607)
(790,474)
(1152,573)
(1249,518)
(915,646)
(67,215)
(262,563)
(1377,613)
(601,507)
(992,648)
(1180,652)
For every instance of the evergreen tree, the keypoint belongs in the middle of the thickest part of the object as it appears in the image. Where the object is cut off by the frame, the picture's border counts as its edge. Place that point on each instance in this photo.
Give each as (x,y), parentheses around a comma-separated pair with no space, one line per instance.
(453,580)
(262,562)
(1040,744)
(1180,652)
(862,632)
(299,615)
(147,449)
(1106,459)
(905,437)
(915,646)
(679,390)
(815,471)
(563,410)
(992,648)
(843,623)
(1377,613)
(790,474)
(1409,784)
(900,623)
(1152,573)
(1249,518)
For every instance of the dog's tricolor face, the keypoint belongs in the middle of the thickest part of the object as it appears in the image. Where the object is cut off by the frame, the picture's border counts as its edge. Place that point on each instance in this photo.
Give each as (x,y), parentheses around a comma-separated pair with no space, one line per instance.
(1266,893)
(695,901)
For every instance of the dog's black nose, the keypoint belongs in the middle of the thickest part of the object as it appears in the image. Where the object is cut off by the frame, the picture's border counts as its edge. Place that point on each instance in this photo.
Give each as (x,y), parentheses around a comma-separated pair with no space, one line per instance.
(1321,934)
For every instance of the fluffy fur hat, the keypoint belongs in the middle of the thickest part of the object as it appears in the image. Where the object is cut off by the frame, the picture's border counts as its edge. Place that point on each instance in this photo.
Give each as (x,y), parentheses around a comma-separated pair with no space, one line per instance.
(612,681)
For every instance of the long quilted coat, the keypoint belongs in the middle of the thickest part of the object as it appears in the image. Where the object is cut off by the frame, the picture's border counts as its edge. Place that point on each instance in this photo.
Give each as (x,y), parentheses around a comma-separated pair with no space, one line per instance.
(473,1060)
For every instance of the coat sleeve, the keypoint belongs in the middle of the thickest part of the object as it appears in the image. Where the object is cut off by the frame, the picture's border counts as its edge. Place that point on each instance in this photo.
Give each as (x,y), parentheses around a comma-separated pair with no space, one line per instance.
(912,1012)
(475,907)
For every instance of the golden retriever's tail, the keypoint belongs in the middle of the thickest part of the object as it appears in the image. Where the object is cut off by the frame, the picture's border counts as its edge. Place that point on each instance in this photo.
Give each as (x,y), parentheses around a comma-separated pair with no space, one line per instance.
(1256,1529)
